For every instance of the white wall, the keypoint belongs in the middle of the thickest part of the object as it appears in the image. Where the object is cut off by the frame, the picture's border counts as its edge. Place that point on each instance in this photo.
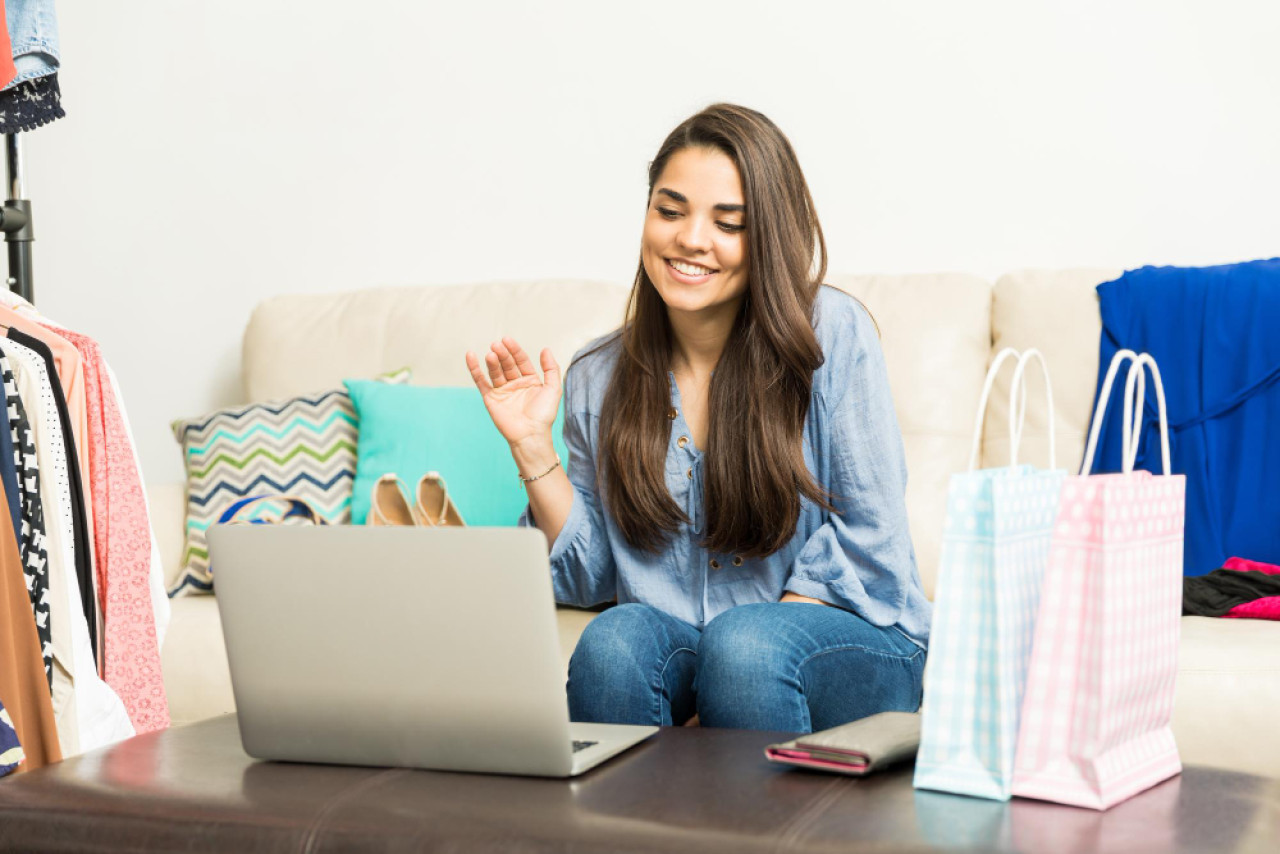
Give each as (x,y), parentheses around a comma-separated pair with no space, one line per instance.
(218,153)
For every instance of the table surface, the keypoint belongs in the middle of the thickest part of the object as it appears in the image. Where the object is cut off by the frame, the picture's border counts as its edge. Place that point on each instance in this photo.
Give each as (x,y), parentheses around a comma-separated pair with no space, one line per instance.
(194,789)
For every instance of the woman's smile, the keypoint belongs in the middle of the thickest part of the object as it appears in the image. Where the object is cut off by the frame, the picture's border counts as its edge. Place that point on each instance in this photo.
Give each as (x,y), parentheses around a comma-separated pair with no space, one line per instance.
(688,272)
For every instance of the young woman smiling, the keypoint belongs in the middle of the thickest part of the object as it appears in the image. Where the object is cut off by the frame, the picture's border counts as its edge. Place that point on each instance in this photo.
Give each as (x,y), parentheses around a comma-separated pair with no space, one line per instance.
(736,474)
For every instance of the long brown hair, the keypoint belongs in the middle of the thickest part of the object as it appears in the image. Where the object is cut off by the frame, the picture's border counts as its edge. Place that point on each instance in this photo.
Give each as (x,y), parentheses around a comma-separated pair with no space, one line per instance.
(759,395)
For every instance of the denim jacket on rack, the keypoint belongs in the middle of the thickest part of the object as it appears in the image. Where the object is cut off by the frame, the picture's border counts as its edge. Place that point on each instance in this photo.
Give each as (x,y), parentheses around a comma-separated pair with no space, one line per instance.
(33,35)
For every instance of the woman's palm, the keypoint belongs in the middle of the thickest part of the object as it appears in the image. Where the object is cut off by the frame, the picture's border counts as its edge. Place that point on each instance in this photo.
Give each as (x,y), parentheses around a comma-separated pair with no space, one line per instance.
(521,403)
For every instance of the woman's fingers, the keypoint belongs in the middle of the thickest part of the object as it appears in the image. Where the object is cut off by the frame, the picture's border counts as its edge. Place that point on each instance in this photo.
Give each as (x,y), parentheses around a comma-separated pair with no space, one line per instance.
(495,369)
(522,358)
(506,360)
(550,370)
(477,373)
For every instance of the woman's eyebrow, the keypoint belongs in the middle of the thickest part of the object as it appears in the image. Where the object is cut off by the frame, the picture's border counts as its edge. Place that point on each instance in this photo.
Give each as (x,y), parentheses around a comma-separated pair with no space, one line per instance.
(723,206)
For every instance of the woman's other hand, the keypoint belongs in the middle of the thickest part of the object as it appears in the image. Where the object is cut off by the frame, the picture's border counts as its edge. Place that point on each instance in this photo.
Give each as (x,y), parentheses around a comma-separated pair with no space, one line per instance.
(796,597)
(521,403)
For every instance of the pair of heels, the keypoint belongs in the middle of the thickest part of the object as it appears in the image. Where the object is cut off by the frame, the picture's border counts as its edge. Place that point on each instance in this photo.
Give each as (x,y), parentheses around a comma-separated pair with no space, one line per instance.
(389,503)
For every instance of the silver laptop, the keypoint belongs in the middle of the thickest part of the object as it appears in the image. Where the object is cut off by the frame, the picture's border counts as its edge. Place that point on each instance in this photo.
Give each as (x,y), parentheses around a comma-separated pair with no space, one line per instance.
(409,647)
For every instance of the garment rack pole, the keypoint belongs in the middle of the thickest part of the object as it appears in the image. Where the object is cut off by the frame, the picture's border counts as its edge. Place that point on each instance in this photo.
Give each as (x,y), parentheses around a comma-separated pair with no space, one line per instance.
(15,221)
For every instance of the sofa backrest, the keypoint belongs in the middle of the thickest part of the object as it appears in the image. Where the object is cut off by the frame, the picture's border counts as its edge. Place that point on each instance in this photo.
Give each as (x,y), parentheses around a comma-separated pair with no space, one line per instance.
(1055,311)
(302,343)
(938,332)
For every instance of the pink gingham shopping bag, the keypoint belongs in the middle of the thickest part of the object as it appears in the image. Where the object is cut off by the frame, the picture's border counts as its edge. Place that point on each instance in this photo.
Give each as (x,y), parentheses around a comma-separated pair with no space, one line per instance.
(995,548)
(1095,719)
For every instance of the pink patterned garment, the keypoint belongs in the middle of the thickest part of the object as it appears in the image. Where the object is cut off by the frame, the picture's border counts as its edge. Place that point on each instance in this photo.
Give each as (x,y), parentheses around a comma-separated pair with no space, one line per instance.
(1266,608)
(122,540)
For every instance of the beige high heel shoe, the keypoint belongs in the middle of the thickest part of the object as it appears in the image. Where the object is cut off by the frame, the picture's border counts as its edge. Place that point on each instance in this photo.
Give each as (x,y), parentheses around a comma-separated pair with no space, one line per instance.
(434,506)
(389,503)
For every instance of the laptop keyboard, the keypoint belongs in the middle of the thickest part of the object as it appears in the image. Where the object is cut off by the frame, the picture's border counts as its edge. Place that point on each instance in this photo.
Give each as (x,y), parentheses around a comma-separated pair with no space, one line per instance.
(583,745)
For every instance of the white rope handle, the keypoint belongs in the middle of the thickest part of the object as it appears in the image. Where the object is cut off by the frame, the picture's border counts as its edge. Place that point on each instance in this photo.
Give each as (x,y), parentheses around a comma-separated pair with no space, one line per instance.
(1137,377)
(1117,360)
(1001,357)
(1018,392)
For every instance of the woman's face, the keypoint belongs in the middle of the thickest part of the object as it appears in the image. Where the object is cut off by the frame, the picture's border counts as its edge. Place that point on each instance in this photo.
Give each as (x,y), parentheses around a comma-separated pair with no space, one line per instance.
(694,246)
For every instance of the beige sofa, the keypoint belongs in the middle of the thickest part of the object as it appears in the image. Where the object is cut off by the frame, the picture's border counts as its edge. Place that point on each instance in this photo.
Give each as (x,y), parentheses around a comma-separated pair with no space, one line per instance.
(939,333)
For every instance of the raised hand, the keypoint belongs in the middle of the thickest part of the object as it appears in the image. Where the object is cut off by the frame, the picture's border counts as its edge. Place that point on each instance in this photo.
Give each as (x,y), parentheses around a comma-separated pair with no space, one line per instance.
(522,404)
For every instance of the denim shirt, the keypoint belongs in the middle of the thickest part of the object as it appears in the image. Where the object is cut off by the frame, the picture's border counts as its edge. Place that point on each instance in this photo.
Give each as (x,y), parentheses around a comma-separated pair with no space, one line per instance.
(860,558)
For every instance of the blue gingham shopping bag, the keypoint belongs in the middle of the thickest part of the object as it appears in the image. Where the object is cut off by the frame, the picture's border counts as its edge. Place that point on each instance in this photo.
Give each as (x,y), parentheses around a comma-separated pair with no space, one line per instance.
(995,548)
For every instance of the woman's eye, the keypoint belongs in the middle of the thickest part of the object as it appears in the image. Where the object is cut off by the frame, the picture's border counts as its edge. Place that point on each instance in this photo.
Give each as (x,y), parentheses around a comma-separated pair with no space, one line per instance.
(668,213)
(732,228)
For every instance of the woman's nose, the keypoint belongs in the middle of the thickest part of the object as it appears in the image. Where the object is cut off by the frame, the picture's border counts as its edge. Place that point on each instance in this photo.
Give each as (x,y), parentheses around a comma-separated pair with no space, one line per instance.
(695,234)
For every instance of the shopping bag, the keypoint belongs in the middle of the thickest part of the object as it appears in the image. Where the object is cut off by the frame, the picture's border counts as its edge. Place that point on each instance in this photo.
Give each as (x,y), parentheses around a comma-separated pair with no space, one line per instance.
(994,551)
(1095,722)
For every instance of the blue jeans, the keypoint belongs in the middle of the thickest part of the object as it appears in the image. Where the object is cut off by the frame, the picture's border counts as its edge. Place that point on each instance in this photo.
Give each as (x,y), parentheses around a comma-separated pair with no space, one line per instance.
(790,666)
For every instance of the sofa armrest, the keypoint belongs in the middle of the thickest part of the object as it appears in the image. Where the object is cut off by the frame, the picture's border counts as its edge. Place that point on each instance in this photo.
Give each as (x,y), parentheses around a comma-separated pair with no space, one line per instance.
(167,503)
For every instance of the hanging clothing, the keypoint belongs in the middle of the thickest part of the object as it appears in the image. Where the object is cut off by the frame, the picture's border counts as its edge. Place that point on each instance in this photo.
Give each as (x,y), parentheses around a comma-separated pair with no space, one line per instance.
(1212,332)
(23,689)
(159,595)
(7,73)
(159,592)
(31,532)
(10,749)
(77,475)
(31,104)
(33,38)
(121,530)
(89,713)
(70,374)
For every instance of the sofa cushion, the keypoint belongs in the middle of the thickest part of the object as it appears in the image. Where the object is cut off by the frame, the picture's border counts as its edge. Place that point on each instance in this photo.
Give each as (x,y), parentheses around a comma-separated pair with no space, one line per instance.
(1055,311)
(409,431)
(1227,695)
(197,681)
(936,334)
(167,504)
(303,446)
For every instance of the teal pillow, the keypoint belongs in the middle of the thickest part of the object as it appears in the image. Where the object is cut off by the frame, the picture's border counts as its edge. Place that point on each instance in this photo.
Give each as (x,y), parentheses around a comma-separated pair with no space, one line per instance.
(411,430)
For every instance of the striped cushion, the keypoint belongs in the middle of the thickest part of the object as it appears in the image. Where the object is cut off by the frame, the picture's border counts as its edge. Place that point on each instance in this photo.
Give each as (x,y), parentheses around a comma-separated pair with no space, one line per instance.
(305,447)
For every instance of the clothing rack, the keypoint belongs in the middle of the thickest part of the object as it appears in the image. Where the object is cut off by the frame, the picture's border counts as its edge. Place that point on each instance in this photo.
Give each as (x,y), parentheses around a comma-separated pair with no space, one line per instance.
(15,221)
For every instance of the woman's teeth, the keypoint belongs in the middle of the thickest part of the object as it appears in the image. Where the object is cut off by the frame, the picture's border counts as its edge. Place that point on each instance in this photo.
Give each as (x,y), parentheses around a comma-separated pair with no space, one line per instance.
(691,269)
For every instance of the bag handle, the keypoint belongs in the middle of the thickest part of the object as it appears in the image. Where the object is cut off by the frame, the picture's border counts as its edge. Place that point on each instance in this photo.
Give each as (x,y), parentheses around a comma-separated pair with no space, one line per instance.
(1131,426)
(1137,379)
(1018,392)
(1017,404)
(1001,357)
(297,507)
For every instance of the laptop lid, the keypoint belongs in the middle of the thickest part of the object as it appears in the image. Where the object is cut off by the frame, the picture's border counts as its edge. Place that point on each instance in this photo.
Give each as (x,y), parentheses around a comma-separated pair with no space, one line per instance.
(386,646)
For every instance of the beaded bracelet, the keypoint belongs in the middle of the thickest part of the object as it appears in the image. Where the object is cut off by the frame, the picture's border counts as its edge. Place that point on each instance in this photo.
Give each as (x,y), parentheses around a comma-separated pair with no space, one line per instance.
(524,480)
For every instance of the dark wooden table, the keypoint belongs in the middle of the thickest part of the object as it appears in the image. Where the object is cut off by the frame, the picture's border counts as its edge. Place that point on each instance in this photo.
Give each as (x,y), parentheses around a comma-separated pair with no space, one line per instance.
(685,790)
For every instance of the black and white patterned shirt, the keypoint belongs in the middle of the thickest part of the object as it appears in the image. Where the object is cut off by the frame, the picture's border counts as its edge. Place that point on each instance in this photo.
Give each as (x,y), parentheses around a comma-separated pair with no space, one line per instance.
(31,539)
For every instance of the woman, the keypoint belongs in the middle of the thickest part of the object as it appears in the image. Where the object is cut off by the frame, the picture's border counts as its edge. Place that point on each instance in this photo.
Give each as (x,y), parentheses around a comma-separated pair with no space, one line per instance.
(736,474)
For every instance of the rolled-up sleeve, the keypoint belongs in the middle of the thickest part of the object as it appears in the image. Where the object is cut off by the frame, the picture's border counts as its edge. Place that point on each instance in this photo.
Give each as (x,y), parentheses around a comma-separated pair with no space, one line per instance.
(861,557)
(583,572)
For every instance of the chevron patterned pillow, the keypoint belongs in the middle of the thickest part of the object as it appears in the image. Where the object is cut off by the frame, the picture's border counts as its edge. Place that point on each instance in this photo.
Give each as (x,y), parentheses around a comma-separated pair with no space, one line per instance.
(305,447)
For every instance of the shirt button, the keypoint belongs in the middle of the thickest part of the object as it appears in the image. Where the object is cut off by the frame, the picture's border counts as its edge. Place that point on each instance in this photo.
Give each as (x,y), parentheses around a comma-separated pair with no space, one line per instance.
(682,441)
(672,414)
(690,473)
(715,564)
(737,560)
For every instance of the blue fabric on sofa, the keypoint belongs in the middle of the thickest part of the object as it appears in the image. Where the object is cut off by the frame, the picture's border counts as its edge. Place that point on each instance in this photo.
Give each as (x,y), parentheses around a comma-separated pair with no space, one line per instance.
(1215,333)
